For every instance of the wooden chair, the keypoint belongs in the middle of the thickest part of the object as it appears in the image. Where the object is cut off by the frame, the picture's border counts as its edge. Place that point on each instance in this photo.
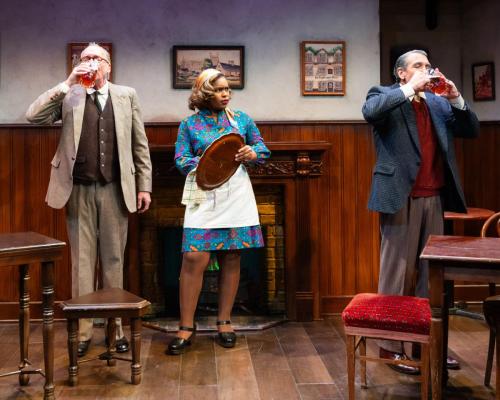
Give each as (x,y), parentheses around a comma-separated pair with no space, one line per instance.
(375,316)
(106,303)
(491,306)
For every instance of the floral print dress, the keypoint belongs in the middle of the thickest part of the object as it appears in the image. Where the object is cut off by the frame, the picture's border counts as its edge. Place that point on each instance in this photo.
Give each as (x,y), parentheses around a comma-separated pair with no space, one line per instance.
(195,134)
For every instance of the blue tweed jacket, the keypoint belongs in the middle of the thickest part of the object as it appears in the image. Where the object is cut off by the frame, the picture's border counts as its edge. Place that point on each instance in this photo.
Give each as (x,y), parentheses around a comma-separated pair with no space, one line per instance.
(398,149)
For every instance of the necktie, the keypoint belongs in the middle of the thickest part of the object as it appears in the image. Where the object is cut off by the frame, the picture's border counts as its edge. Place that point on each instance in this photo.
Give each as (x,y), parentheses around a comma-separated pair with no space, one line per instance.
(96,101)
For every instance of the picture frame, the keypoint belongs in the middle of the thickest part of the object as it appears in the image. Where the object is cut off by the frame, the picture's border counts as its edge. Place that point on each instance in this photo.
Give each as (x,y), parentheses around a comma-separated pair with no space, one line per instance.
(322,68)
(76,48)
(483,81)
(189,61)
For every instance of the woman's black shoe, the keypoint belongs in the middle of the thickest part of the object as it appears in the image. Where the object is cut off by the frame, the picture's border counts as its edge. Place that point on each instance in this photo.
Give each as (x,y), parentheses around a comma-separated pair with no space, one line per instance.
(178,345)
(226,339)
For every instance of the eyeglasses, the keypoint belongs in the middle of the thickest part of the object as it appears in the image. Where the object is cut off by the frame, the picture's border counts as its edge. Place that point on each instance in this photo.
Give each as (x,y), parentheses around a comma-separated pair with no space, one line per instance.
(88,58)
(222,89)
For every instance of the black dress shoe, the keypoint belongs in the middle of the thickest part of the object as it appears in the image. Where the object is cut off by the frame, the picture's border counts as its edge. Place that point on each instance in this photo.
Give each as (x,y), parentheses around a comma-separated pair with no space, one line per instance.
(226,339)
(178,345)
(402,368)
(452,363)
(121,345)
(83,347)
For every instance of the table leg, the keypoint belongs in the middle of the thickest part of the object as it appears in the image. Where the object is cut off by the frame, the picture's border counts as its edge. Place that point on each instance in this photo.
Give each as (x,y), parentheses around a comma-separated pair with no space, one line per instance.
(24,321)
(48,327)
(437,303)
(72,327)
(135,327)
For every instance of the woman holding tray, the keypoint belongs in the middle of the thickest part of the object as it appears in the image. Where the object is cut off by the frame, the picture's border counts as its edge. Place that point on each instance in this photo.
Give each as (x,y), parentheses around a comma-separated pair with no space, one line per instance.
(223,220)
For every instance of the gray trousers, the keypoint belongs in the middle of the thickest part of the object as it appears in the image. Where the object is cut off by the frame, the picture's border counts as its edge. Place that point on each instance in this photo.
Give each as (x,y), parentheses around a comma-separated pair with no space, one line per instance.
(97,221)
(404,235)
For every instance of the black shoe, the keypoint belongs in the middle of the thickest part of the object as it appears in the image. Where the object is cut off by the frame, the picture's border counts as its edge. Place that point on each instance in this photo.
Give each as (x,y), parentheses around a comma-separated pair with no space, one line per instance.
(402,368)
(226,339)
(178,345)
(83,347)
(121,345)
(452,363)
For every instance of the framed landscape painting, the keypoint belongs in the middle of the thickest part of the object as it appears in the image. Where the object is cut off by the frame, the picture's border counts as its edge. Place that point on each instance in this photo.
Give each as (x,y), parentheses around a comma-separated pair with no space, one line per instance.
(189,61)
(322,68)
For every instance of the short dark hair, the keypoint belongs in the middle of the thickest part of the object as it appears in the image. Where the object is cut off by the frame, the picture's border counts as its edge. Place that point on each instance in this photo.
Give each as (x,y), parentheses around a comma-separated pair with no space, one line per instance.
(402,61)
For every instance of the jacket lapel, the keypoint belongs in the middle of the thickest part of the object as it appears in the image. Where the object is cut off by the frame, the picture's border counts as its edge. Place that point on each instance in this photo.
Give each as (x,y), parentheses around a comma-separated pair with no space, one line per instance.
(78,111)
(411,123)
(437,120)
(118,111)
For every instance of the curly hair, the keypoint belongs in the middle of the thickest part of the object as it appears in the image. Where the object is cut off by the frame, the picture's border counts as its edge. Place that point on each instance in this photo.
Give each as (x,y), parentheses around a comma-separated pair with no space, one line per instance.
(203,89)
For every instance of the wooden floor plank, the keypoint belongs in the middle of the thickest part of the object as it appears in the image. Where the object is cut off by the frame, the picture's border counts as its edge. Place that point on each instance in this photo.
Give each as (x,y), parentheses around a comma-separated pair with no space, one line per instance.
(293,361)
(274,376)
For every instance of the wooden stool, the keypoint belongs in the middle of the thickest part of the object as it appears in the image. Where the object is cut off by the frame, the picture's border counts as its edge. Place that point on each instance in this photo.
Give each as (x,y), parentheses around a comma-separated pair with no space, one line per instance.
(106,303)
(375,316)
(22,249)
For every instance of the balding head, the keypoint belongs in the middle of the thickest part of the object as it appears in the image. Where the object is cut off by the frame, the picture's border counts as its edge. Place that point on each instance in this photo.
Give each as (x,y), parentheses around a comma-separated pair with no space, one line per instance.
(93,49)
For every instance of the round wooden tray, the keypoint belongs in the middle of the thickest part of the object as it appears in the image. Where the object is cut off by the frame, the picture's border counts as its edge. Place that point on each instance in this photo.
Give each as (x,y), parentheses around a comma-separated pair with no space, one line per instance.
(217,164)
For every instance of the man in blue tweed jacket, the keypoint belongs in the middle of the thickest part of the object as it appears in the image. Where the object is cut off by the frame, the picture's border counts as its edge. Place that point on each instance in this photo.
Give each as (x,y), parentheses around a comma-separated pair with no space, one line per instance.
(415,176)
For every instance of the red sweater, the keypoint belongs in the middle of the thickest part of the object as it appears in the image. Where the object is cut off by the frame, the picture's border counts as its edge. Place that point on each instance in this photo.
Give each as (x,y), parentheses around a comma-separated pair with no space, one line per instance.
(430,177)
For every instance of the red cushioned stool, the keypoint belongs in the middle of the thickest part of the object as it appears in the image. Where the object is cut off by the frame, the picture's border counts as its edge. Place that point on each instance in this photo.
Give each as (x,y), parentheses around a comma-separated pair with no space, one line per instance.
(376,316)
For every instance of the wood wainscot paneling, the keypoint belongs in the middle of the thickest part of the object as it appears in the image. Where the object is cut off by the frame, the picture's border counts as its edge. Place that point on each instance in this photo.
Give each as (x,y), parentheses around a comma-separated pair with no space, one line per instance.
(337,254)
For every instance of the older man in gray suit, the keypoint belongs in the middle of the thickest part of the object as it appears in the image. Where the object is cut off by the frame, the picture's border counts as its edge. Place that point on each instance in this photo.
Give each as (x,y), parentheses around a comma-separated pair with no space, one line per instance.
(101,171)
(415,176)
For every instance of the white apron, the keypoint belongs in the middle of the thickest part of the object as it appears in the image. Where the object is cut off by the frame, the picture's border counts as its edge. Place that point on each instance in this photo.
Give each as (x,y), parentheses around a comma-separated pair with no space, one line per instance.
(231,205)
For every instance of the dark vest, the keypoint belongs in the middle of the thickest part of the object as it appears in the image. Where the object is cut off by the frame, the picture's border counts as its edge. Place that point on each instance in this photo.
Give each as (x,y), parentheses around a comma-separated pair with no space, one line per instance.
(430,177)
(97,156)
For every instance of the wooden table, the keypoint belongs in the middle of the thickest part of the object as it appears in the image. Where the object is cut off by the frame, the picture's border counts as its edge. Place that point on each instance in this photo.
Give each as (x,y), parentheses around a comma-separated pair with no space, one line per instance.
(21,249)
(450,258)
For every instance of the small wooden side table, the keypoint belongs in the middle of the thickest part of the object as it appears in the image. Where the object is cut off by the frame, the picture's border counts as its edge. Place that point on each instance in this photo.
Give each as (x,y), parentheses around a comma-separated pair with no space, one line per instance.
(22,249)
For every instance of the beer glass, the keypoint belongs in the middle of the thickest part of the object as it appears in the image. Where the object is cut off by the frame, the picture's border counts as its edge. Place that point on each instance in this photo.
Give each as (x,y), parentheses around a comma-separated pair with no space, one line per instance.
(437,84)
(87,80)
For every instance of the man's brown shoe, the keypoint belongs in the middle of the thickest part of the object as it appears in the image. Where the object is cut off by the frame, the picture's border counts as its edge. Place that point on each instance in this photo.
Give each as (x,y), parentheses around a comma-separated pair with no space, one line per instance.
(404,369)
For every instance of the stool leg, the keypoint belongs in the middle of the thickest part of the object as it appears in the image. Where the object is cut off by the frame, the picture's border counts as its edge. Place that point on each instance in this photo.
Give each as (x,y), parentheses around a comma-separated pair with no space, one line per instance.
(111,332)
(489,360)
(425,370)
(362,362)
(351,364)
(24,321)
(135,325)
(72,326)
(48,327)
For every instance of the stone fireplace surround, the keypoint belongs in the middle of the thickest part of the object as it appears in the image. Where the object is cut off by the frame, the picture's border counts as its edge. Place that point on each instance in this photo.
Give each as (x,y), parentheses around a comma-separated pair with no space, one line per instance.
(293,167)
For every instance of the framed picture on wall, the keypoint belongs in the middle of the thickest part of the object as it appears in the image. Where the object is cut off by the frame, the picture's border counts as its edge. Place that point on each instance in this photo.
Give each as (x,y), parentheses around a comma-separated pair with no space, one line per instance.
(189,61)
(322,67)
(76,48)
(483,81)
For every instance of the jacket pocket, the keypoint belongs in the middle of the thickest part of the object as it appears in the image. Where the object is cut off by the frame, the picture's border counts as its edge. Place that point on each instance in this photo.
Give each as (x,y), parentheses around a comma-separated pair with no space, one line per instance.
(384,169)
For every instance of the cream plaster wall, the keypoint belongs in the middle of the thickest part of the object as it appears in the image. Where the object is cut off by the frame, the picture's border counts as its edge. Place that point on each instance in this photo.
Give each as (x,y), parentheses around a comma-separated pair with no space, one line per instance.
(34,34)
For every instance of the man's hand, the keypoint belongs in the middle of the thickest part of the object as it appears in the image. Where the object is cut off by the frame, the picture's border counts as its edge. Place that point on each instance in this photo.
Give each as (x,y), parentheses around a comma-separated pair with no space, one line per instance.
(246,153)
(143,201)
(451,90)
(419,81)
(79,70)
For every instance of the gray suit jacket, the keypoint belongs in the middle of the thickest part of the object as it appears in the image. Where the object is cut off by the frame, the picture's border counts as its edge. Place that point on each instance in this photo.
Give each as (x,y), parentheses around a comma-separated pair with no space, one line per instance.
(133,150)
(398,149)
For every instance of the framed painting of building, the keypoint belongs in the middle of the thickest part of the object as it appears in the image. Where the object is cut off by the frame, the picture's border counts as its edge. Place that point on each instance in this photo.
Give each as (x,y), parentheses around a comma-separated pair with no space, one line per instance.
(76,48)
(322,68)
(483,81)
(189,61)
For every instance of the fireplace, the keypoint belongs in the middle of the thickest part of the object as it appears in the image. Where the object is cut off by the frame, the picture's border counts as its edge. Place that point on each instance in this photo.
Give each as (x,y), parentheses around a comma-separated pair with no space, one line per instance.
(283,189)
(262,284)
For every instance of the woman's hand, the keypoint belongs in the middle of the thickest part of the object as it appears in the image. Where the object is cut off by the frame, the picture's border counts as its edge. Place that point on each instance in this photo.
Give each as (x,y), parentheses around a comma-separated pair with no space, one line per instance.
(246,153)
